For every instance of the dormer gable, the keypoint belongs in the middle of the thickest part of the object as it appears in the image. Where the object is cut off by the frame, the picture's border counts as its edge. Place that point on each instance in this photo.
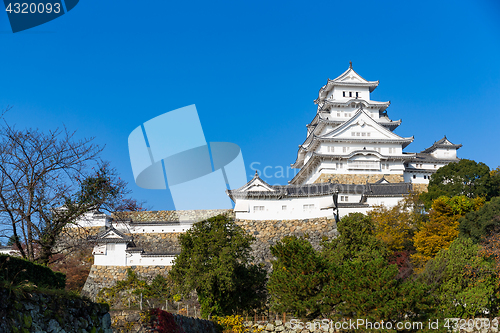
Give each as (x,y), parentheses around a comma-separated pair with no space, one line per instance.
(256,184)
(349,80)
(362,126)
(112,235)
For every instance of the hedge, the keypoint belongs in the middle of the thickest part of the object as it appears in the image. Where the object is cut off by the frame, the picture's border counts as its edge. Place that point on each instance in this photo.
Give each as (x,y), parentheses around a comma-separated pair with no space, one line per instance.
(17,270)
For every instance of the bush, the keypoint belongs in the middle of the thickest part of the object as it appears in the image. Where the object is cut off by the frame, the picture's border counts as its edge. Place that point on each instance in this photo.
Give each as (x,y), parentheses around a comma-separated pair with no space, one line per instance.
(17,271)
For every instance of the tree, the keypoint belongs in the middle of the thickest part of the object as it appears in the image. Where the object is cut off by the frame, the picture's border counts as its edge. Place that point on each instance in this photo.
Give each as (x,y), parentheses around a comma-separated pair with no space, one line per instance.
(396,225)
(465,177)
(215,262)
(442,227)
(46,183)
(356,240)
(483,222)
(464,282)
(297,280)
(362,283)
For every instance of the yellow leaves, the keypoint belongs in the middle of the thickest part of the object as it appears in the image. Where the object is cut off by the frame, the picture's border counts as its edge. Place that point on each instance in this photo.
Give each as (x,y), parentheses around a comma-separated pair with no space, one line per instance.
(231,324)
(442,227)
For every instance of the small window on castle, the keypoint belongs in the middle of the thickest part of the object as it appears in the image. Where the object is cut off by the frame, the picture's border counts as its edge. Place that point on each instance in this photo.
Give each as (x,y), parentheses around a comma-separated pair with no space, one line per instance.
(258,208)
(357,134)
(435,166)
(350,93)
(353,133)
(344,93)
(345,115)
(357,94)
(368,134)
(308,207)
(414,176)
(344,198)
(110,247)
(331,149)
(338,114)
(425,177)
(283,207)
(345,149)
(363,134)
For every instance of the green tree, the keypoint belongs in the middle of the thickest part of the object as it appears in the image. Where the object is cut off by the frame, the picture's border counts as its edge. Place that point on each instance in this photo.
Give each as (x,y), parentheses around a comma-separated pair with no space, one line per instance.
(442,227)
(356,240)
(483,222)
(297,280)
(215,262)
(362,283)
(464,282)
(465,177)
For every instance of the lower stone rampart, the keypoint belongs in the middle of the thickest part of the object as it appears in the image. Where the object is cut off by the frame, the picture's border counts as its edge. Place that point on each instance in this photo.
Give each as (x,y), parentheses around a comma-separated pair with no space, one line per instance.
(357,178)
(43,312)
(106,276)
(268,232)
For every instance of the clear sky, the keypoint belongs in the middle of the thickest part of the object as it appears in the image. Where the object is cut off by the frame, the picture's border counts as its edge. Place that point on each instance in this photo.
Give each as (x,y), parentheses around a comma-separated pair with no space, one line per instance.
(253,69)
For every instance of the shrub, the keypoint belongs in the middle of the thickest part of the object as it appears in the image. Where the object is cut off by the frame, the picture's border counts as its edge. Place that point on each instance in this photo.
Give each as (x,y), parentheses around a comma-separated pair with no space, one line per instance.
(16,271)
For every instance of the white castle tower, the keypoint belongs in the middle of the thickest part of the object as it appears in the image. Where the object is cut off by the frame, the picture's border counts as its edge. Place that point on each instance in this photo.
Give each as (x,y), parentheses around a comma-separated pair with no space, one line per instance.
(351,139)
(350,153)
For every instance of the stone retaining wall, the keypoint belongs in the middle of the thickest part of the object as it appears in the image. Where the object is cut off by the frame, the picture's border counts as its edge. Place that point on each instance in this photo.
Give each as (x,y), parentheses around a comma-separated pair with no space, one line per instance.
(173,215)
(357,178)
(157,242)
(130,321)
(268,232)
(295,326)
(37,312)
(106,276)
(419,188)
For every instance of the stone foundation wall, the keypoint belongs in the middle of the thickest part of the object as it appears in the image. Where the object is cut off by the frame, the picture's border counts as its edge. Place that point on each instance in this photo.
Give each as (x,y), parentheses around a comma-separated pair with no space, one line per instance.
(357,178)
(420,187)
(158,242)
(106,276)
(267,233)
(38,312)
(173,215)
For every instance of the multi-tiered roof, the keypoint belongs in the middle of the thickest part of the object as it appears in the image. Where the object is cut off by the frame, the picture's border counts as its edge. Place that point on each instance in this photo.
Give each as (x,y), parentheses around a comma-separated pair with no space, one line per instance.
(344,105)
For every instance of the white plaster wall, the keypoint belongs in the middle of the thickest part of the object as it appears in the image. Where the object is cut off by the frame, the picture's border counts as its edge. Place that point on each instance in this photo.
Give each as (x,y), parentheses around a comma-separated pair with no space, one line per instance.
(119,257)
(136,259)
(273,209)
(154,228)
(445,153)
(419,177)
(91,220)
(363,92)
(116,257)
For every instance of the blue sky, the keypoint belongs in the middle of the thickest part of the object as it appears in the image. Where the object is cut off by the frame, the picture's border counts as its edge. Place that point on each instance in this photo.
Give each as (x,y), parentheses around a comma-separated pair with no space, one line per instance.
(253,69)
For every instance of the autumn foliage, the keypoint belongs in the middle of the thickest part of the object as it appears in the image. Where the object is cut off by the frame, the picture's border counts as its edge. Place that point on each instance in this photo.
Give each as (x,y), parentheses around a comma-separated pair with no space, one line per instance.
(442,227)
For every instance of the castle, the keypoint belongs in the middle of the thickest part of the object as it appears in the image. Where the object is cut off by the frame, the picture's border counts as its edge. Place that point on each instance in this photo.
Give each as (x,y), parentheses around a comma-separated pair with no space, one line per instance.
(350,161)
(351,153)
